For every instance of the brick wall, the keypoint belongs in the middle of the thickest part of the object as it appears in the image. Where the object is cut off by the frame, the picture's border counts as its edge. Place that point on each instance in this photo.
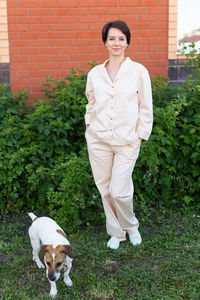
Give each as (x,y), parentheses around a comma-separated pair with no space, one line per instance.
(48,37)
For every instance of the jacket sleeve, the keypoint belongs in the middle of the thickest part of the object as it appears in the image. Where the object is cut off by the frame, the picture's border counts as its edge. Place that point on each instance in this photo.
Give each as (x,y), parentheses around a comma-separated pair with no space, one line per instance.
(91,99)
(145,120)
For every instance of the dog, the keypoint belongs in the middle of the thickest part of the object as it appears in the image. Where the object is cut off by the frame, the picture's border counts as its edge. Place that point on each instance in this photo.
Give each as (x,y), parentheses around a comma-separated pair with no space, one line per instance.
(48,238)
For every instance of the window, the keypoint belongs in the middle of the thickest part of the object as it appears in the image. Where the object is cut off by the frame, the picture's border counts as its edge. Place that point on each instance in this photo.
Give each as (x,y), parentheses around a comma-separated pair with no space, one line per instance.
(188,24)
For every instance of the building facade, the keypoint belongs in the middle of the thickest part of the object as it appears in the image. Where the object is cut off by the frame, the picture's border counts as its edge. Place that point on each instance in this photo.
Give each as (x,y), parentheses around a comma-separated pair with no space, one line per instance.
(41,37)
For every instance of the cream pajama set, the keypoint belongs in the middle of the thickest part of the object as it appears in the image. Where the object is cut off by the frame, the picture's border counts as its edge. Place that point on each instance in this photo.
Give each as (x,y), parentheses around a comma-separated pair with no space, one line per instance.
(118,113)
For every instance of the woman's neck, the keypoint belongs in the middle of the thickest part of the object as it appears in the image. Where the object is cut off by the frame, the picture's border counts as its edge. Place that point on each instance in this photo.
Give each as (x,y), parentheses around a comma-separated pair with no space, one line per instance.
(116,61)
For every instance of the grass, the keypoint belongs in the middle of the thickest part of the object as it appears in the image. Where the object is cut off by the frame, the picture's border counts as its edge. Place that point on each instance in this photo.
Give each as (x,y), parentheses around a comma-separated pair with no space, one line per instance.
(165,266)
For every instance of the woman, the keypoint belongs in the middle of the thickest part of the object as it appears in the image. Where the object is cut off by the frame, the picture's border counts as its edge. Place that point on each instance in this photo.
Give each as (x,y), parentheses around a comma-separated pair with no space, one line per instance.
(118,116)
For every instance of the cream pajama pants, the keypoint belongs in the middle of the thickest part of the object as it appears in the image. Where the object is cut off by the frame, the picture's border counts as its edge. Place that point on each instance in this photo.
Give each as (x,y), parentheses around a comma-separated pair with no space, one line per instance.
(112,168)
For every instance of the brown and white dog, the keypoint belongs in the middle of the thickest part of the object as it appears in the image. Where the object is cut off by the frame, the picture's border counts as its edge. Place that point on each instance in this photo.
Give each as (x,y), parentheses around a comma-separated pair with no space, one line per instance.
(56,252)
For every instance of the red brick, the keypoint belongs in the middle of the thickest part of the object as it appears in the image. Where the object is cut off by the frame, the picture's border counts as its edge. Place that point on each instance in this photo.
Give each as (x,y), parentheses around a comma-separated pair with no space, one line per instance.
(12,20)
(88,3)
(139,26)
(48,19)
(163,2)
(14,51)
(97,27)
(17,12)
(30,81)
(163,18)
(28,20)
(89,50)
(69,19)
(48,4)
(96,42)
(12,35)
(69,65)
(18,43)
(19,59)
(16,81)
(68,3)
(79,42)
(11,4)
(150,18)
(159,41)
(29,51)
(89,19)
(60,58)
(148,33)
(39,12)
(128,3)
(78,11)
(48,35)
(149,2)
(58,11)
(28,35)
(157,55)
(89,34)
(78,27)
(39,43)
(38,27)
(49,65)
(119,10)
(21,74)
(141,41)
(140,56)
(58,43)
(69,50)
(163,33)
(49,51)
(39,58)
(39,73)
(105,19)
(79,57)
(68,35)
(26,3)
(58,27)
(129,19)
(18,28)
(160,25)
(108,3)
(30,66)
(99,11)
(138,10)
(158,10)
(18,88)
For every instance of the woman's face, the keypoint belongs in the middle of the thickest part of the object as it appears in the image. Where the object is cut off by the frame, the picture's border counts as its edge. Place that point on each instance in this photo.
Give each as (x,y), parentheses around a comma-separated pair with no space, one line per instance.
(116,42)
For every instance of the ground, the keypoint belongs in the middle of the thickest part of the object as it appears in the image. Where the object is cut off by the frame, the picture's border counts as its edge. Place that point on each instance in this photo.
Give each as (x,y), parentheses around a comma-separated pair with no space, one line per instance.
(165,266)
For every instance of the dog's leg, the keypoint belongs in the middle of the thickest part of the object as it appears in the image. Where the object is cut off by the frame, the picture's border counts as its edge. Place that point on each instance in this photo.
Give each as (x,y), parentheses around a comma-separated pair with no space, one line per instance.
(35,242)
(67,279)
(53,290)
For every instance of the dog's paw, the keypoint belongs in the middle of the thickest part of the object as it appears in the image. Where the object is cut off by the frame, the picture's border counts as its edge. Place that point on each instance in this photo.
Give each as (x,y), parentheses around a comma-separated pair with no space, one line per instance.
(53,294)
(40,265)
(68,281)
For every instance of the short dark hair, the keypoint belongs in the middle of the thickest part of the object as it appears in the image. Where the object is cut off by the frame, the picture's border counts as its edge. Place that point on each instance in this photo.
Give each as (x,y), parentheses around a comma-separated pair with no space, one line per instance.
(121,25)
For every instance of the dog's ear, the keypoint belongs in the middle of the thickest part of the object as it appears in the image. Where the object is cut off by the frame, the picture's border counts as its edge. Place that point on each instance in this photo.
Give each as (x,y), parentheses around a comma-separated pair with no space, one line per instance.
(43,251)
(68,251)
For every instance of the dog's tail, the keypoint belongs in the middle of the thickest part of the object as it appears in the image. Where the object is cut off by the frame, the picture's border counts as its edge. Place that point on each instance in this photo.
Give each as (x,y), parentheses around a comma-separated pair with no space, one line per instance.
(32,216)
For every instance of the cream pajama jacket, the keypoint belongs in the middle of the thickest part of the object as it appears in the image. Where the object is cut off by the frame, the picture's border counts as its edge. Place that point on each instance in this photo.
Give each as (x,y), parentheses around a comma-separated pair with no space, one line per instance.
(118,113)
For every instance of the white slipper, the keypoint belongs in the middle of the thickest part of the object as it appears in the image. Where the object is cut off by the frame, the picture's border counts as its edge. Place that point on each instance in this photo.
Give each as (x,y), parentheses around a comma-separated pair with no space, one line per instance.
(113,243)
(135,238)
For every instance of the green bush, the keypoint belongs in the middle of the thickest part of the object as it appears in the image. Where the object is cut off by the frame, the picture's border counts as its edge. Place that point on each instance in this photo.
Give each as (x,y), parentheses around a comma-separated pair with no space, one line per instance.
(43,157)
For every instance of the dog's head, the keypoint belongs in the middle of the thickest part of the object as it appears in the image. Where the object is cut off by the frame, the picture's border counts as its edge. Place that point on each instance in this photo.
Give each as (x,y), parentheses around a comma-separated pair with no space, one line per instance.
(54,259)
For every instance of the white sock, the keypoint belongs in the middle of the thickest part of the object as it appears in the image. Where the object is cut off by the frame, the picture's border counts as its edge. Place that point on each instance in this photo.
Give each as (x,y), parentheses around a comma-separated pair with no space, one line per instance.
(113,243)
(135,238)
